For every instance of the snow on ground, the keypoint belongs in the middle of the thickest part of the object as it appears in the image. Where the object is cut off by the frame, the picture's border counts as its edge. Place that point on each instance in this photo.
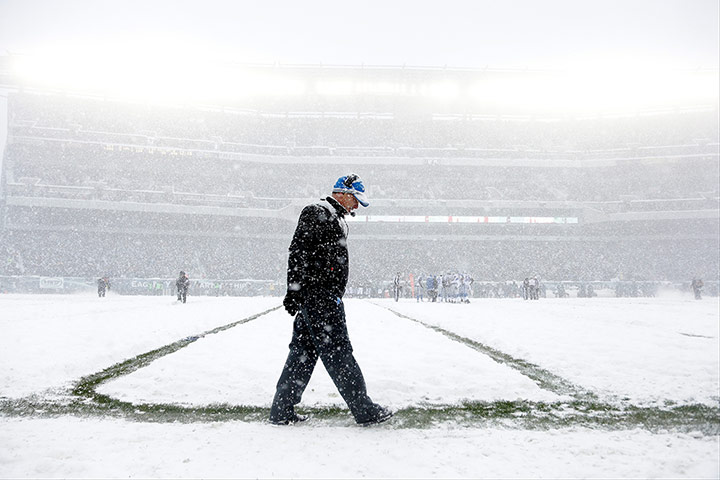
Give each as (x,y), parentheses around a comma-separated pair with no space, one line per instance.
(101,448)
(49,341)
(404,364)
(646,349)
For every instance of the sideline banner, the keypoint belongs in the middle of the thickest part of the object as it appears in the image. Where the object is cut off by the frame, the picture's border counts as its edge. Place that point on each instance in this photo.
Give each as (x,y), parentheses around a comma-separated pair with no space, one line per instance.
(138,286)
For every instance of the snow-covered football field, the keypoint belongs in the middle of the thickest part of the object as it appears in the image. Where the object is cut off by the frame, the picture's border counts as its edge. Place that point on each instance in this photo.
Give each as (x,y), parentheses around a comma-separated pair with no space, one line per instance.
(130,386)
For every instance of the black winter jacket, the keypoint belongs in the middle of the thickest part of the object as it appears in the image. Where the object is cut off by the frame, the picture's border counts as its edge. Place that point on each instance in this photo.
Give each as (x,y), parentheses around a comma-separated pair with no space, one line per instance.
(318,254)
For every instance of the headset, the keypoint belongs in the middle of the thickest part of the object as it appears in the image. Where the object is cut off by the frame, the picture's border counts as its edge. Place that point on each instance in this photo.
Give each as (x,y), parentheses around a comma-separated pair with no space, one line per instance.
(349,180)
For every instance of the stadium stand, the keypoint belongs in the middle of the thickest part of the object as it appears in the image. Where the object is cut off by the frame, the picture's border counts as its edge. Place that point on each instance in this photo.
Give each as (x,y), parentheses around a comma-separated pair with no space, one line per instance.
(93,186)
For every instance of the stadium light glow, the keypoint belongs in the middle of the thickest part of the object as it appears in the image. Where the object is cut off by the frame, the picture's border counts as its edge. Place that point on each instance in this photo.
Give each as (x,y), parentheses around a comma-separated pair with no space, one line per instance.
(185,78)
(339,87)
(599,91)
(335,87)
(382,88)
(149,78)
(446,90)
(244,85)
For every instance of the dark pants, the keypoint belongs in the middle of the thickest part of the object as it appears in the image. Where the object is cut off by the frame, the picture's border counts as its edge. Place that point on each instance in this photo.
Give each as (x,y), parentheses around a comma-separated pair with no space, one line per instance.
(320,330)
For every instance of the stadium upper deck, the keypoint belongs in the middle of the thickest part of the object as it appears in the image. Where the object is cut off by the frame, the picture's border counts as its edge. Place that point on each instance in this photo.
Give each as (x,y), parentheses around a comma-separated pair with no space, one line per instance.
(84,171)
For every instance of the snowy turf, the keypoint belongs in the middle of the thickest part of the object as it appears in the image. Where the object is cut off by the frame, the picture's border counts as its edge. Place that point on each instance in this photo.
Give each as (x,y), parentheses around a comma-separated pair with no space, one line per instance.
(647,350)
(405,364)
(96,448)
(49,341)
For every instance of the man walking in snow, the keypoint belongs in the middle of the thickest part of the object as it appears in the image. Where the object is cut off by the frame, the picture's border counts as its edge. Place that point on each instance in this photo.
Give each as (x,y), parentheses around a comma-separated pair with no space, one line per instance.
(316,277)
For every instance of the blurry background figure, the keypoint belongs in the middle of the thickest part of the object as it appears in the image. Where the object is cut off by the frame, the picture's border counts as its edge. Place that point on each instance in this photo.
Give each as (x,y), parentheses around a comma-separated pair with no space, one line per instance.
(420,289)
(535,289)
(182,284)
(396,286)
(697,286)
(103,285)
(431,284)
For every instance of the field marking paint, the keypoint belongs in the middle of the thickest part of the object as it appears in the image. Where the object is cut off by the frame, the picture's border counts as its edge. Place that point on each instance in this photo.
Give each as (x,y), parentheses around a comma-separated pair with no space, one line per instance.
(543,378)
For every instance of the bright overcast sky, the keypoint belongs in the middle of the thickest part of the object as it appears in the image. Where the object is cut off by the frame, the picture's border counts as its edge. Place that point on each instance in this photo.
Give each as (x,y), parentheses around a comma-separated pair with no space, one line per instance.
(456,33)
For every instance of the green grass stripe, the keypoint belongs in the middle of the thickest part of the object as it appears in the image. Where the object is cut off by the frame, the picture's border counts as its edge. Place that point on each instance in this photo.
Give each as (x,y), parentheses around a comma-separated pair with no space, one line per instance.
(87,385)
(503,414)
(543,378)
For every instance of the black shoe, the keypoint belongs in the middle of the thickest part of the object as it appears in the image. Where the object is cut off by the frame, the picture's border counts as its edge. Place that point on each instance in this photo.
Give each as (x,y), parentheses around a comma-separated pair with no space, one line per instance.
(295,418)
(382,415)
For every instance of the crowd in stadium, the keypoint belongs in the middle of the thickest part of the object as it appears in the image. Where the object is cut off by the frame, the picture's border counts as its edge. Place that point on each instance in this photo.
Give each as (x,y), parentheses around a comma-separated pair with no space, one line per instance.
(167,126)
(150,256)
(98,173)
(74,148)
(123,161)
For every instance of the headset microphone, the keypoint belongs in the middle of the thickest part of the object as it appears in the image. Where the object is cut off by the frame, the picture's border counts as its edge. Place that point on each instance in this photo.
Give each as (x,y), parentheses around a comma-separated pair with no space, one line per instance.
(348,183)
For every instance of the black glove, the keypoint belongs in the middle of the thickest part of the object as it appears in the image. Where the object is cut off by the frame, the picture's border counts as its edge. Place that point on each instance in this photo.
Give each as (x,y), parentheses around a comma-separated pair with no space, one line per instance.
(292,302)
